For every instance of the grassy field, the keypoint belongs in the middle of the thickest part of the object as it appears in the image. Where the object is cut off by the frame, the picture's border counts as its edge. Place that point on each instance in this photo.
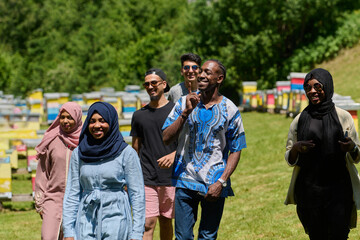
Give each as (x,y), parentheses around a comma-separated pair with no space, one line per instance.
(260,182)
(18,220)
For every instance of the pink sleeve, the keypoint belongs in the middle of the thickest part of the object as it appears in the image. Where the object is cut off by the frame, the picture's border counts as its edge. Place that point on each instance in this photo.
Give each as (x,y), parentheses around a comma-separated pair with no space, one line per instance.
(41,181)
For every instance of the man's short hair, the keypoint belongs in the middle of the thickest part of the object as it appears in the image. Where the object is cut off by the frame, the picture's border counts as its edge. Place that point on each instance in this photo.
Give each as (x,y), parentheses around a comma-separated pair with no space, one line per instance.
(190,57)
(221,66)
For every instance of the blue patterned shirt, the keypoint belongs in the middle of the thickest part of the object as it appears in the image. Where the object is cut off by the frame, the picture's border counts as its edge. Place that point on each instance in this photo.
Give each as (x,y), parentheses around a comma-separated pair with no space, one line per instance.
(204,143)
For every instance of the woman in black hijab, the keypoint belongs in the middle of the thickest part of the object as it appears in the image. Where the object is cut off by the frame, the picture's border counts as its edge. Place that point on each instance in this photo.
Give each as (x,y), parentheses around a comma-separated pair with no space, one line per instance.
(323,145)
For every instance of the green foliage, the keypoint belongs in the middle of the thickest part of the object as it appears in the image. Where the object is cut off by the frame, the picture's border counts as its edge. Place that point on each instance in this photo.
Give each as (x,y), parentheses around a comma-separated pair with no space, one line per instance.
(19,19)
(254,39)
(5,70)
(323,48)
(80,46)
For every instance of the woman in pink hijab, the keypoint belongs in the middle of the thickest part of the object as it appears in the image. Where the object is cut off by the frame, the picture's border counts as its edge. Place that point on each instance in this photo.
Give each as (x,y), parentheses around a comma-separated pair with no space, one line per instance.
(53,154)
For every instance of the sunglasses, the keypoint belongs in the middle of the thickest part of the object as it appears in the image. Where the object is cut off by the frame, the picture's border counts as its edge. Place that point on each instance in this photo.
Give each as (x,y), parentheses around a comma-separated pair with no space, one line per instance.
(152,83)
(317,86)
(194,67)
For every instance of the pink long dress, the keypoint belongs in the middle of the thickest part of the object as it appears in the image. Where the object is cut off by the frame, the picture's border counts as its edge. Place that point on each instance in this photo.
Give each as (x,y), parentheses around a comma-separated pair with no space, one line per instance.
(50,181)
(53,154)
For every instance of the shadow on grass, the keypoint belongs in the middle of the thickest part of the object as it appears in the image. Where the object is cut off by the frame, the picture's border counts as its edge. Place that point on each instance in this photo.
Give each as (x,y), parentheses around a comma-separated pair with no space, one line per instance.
(17,206)
(16,176)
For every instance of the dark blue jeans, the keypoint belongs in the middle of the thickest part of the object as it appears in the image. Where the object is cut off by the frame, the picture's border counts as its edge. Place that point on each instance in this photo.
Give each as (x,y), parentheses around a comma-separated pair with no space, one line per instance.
(186,209)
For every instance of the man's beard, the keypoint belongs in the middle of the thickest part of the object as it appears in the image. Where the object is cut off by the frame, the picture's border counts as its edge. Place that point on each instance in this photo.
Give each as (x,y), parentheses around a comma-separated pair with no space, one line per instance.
(154,98)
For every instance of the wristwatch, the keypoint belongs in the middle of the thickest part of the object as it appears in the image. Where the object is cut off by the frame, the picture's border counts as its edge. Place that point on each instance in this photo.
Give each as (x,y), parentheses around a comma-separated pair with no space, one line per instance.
(223,182)
(354,149)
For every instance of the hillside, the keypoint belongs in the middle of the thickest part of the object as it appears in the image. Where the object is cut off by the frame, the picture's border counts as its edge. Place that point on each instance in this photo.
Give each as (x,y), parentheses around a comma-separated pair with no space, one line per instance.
(345,69)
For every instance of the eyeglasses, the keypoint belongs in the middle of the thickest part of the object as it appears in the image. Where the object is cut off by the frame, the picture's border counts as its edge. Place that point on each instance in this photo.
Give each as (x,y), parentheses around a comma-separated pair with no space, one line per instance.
(152,83)
(194,67)
(317,86)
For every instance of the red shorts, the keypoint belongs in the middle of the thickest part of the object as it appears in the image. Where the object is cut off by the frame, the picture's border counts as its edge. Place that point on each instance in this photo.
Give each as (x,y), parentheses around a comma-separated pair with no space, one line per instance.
(159,201)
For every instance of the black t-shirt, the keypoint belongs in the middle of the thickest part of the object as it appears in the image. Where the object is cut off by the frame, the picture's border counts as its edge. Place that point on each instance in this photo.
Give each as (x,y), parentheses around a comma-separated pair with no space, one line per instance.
(146,124)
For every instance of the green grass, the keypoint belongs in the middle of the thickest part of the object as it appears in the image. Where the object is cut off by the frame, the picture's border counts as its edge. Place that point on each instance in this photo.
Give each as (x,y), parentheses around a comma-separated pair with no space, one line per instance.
(22,162)
(18,220)
(20,225)
(21,183)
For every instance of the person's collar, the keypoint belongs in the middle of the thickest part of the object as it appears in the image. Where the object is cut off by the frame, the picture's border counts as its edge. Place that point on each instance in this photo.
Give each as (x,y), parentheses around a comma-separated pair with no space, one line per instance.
(159,104)
(219,99)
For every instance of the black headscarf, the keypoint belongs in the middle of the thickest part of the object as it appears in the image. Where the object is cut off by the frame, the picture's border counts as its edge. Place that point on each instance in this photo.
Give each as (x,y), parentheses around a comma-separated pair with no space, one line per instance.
(111,145)
(332,130)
